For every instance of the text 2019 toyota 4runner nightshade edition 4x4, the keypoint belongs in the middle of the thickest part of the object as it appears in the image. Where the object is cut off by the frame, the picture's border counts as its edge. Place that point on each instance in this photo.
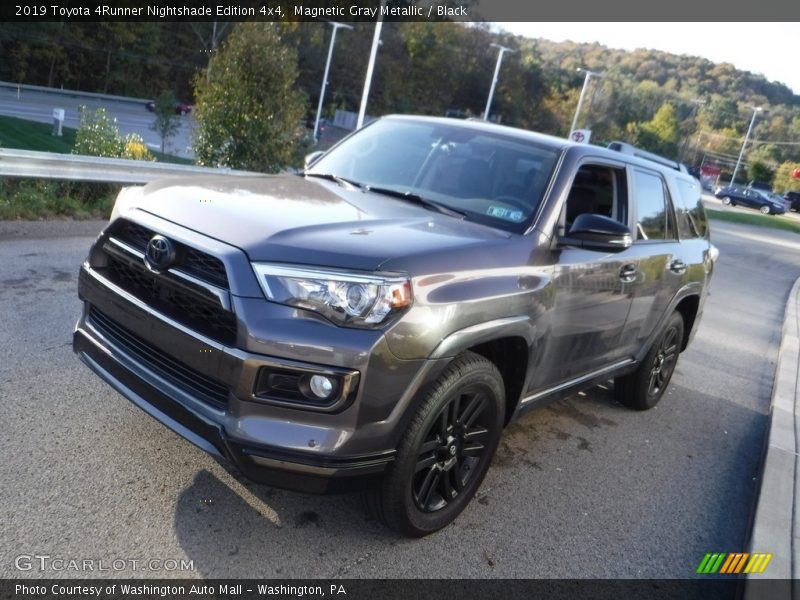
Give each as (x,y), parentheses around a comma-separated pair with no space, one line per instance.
(378,319)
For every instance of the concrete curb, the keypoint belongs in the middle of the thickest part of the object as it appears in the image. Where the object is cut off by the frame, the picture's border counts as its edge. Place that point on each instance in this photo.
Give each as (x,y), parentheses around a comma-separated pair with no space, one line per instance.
(775,526)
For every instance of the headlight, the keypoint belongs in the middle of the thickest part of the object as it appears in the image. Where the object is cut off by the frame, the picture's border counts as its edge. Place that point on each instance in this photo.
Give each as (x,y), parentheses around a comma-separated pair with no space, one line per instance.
(345,298)
(125,200)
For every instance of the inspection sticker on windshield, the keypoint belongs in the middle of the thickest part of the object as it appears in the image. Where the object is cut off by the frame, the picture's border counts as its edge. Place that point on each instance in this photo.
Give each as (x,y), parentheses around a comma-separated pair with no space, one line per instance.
(509,214)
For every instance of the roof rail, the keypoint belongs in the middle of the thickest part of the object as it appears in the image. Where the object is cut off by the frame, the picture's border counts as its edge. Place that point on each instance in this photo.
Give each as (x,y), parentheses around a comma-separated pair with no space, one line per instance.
(626,148)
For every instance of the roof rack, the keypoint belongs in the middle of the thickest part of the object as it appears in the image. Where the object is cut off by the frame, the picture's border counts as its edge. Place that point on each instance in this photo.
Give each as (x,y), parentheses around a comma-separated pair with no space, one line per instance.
(626,148)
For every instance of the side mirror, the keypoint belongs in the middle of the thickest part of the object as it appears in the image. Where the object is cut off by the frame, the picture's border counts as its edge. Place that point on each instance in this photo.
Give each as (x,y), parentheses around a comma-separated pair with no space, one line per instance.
(596,232)
(311,158)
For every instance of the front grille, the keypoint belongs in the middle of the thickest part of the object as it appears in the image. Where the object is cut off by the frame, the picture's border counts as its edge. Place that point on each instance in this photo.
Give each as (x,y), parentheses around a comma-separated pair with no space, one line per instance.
(186,378)
(190,260)
(197,312)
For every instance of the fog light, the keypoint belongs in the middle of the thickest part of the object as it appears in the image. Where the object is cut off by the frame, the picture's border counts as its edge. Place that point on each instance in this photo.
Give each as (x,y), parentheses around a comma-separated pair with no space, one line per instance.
(323,390)
(321,386)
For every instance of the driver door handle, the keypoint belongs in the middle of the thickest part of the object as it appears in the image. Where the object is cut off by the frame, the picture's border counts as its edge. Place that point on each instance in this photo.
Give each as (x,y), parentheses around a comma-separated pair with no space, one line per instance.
(627,274)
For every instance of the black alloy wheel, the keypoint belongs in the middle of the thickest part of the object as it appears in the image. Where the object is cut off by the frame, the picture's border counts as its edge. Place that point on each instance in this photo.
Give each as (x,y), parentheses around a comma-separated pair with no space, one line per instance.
(664,361)
(643,388)
(446,450)
(452,450)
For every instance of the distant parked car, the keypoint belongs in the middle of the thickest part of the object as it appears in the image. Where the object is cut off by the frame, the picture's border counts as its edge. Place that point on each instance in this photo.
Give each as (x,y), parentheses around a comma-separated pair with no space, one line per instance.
(793,200)
(761,186)
(181,108)
(764,202)
(323,124)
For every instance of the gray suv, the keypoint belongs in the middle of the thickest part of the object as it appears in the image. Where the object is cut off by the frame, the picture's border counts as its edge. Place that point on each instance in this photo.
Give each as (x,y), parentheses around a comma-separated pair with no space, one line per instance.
(376,321)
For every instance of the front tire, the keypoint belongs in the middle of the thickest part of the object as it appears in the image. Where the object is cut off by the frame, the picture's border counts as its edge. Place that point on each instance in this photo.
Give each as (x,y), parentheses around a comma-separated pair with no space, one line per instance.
(764,210)
(727,201)
(446,450)
(642,389)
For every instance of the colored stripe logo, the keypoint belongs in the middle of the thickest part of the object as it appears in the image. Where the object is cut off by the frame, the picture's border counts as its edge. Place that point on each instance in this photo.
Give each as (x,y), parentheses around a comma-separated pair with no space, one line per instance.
(733,563)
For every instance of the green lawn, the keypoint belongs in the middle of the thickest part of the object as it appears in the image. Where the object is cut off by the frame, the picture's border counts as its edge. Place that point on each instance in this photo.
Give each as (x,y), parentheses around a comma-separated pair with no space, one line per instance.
(30,135)
(774,221)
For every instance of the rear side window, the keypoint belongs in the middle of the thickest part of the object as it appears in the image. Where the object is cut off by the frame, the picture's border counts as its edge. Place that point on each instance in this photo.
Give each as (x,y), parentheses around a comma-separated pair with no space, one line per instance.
(689,210)
(652,222)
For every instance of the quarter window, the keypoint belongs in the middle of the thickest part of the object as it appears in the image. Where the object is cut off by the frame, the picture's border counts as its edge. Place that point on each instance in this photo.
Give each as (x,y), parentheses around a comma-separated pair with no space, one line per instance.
(689,210)
(652,221)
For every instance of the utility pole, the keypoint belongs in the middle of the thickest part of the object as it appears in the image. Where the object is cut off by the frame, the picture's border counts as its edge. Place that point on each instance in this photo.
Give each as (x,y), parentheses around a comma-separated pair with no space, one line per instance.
(756,110)
(697,102)
(336,27)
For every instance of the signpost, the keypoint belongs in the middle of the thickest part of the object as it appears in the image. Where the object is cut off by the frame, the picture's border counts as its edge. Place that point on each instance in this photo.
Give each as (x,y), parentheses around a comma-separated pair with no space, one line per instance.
(581,136)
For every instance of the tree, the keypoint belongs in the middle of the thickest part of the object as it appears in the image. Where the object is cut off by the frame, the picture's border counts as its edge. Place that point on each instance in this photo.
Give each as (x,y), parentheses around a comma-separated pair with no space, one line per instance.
(167,122)
(721,113)
(661,133)
(135,148)
(759,171)
(97,135)
(784,180)
(248,109)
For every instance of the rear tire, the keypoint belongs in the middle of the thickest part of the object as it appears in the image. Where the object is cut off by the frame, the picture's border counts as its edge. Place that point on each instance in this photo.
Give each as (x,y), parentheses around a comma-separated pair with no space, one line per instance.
(642,389)
(726,201)
(446,450)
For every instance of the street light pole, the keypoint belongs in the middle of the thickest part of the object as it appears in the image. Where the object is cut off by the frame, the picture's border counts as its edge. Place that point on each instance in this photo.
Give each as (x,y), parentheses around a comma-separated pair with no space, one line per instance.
(376,39)
(583,94)
(756,110)
(501,50)
(325,76)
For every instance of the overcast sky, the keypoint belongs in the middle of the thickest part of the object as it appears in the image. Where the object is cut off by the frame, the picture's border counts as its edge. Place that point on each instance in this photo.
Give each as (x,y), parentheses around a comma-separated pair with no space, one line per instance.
(772,49)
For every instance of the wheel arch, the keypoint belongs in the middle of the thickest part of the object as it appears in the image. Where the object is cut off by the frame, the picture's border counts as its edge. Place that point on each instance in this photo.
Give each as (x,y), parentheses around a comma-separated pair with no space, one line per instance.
(510,356)
(506,342)
(688,306)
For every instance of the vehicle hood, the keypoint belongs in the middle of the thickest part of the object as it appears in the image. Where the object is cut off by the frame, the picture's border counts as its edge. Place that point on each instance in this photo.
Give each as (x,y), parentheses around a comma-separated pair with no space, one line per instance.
(288,218)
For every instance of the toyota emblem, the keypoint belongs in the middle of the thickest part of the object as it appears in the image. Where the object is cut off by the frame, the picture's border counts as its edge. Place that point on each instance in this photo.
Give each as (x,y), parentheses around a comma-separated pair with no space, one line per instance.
(160,253)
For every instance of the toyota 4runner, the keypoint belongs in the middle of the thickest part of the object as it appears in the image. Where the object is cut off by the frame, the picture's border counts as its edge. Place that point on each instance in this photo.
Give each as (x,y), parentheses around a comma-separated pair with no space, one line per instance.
(378,319)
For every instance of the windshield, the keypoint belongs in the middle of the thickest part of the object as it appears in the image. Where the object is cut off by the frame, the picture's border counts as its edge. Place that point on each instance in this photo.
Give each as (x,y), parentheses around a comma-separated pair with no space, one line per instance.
(492,178)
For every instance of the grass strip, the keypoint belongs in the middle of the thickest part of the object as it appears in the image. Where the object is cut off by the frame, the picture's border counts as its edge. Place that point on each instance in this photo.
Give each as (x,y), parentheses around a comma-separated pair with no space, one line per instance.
(774,221)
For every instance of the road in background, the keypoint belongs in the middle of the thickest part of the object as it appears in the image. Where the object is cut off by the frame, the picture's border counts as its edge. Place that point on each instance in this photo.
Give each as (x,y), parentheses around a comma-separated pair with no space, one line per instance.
(583,488)
(714,203)
(131,115)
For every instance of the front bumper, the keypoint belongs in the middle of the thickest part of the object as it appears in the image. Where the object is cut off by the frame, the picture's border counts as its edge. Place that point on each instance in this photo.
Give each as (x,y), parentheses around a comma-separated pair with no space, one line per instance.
(279,446)
(261,463)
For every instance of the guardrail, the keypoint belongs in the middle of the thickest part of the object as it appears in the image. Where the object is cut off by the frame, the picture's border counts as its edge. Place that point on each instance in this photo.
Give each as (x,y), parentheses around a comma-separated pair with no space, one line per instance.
(48,165)
(74,93)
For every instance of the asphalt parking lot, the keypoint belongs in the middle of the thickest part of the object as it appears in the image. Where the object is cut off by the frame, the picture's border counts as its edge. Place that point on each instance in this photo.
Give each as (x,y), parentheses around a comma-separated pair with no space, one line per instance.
(583,488)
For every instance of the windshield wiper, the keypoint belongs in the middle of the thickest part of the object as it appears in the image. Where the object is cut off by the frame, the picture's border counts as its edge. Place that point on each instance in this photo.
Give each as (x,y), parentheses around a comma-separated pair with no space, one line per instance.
(408,196)
(419,200)
(343,181)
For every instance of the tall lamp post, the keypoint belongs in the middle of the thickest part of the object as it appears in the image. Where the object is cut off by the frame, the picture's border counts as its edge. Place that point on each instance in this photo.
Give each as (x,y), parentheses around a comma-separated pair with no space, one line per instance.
(586,79)
(376,40)
(501,50)
(336,27)
(756,110)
